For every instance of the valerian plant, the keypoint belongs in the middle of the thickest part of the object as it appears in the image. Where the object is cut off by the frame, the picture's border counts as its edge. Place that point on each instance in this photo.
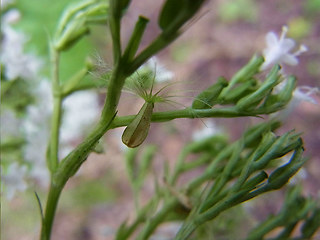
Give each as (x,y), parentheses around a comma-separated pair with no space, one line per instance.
(232,172)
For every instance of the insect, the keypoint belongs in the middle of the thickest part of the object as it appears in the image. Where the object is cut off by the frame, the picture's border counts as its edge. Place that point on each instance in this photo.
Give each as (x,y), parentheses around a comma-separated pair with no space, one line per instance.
(137,131)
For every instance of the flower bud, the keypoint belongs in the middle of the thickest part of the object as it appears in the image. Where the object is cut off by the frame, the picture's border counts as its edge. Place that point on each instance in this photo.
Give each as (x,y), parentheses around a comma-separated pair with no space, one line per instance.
(240,91)
(175,13)
(245,73)
(281,175)
(254,98)
(209,97)
(279,100)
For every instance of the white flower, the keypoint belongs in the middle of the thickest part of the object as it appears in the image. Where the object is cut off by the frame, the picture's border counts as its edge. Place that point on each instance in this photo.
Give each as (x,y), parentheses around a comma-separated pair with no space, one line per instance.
(16,62)
(5,3)
(10,124)
(81,109)
(278,51)
(162,74)
(304,93)
(300,94)
(208,130)
(37,131)
(12,16)
(13,180)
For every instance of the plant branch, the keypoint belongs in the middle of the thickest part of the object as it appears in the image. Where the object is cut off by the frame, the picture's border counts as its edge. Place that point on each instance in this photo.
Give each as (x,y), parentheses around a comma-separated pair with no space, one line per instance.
(56,115)
(66,169)
(229,112)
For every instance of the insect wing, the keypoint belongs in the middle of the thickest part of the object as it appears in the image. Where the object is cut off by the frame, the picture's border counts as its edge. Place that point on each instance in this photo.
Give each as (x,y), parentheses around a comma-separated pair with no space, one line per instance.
(137,131)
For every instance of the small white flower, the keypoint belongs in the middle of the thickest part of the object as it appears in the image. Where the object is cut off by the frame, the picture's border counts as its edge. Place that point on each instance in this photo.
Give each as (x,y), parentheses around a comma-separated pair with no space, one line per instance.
(304,93)
(5,3)
(279,50)
(162,74)
(14,180)
(37,131)
(12,16)
(81,109)
(208,130)
(16,62)
(10,124)
(300,94)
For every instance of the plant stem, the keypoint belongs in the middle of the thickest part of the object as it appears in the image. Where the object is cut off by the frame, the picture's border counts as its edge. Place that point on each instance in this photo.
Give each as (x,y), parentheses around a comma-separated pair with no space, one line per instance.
(153,223)
(114,25)
(56,115)
(69,166)
(54,138)
(52,202)
(114,92)
(66,169)
(184,113)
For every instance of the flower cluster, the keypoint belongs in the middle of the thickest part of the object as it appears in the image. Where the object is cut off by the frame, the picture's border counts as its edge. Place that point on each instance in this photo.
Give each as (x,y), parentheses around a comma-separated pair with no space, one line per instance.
(12,56)
(80,110)
(278,51)
(14,180)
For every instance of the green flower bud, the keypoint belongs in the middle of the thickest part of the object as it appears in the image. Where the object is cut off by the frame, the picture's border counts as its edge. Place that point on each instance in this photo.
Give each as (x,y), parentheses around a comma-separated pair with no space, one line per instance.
(240,91)
(245,73)
(75,20)
(279,100)
(209,97)
(74,32)
(280,147)
(267,141)
(281,175)
(254,181)
(175,13)
(254,98)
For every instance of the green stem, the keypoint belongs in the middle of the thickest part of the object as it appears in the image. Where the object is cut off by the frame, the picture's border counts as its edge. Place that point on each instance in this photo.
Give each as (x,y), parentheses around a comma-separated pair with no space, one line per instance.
(56,115)
(115,25)
(54,138)
(125,233)
(178,167)
(135,39)
(66,169)
(258,233)
(185,113)
(153,223)
(52,202)
(159,43)
(136,196)
(195,221)
(71,85)
(114,92)
(69,166)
